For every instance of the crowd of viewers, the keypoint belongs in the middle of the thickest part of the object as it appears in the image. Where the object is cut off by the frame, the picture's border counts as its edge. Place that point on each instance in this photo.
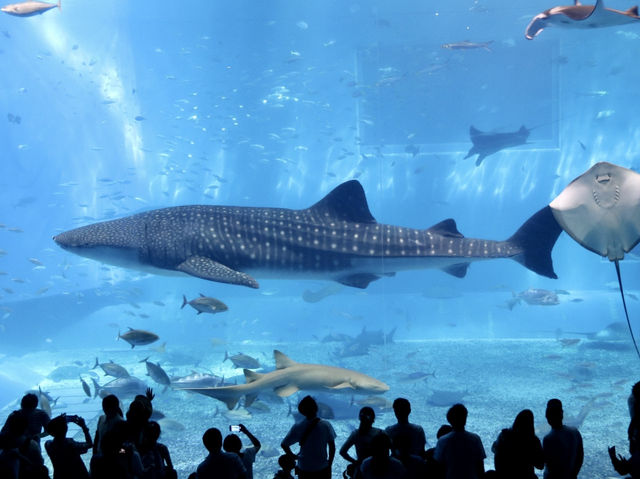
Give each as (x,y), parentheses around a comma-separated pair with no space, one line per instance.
(127,447)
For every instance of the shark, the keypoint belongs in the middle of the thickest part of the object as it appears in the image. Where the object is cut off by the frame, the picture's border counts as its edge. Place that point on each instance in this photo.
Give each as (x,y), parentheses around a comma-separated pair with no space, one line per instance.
(581,16)
(486,143)
(290,377)
(336,239)
(29,8)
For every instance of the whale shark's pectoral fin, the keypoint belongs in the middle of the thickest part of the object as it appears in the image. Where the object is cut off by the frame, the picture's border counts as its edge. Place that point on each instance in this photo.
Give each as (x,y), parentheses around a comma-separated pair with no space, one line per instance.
(458,270)
(205,268)
(359,280)
(286,390)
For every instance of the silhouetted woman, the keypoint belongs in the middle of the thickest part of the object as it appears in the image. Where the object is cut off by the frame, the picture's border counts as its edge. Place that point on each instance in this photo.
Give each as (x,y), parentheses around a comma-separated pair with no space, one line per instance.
(361,438)
(518,450)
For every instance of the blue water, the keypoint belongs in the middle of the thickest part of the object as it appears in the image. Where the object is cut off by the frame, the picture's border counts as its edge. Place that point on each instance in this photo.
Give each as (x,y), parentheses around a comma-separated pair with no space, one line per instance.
(129,106)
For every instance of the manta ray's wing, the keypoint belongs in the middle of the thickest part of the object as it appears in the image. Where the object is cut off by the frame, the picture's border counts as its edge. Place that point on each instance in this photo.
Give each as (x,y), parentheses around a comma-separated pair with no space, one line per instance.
(574,13)
(601,210)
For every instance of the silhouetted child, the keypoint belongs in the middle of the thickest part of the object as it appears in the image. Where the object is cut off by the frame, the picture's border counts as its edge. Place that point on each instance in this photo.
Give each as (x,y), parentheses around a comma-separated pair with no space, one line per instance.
(233,444)
(155,456)
(415,433)
(380,465)
(434,469)
(119,458)
(562,446)
(219,463)
(65,453)
(287,463)
(460,452)
(518,450)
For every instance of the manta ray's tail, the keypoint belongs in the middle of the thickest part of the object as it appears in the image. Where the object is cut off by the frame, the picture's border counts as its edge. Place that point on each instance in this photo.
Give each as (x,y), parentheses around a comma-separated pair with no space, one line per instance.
(535,238)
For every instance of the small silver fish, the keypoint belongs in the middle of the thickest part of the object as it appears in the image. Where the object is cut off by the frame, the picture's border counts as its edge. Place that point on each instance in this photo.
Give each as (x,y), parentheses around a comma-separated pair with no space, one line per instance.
(205,304)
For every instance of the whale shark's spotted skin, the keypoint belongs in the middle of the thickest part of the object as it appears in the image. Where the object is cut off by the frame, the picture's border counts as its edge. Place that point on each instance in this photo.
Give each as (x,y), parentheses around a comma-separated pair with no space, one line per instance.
(337,238)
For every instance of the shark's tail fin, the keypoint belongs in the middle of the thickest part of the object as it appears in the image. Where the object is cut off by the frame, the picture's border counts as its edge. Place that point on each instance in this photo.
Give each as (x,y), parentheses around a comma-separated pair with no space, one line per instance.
(535,238)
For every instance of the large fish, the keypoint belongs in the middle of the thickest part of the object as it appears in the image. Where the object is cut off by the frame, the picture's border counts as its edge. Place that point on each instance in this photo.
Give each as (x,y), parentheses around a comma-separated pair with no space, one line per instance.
(290,377)
(580,16)
(488,143)
(30,8)
(336,239)
(600,209)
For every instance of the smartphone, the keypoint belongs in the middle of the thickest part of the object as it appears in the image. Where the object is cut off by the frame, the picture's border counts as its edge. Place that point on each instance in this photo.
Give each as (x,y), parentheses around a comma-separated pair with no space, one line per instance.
(234,428)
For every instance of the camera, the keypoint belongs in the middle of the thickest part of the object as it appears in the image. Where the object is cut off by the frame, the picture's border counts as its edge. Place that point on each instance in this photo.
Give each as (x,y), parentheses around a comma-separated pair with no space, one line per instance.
(72,418)
(234,428)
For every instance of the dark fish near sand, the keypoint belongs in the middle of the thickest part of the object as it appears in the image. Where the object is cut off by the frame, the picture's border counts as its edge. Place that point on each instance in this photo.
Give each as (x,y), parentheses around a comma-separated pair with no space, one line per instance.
(156,373)
(445,398)
(242,361)
(138,337)
(85,387)
(112,369)
(29,9)
(205,304)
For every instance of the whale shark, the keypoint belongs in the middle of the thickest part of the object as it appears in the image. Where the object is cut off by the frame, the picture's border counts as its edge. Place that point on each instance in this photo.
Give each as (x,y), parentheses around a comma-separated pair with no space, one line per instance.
(486,143)
(580,16)
(335,239)
(290,377)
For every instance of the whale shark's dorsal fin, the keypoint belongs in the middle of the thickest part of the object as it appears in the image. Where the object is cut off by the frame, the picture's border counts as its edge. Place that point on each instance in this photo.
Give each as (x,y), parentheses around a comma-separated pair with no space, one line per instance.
(347,202)
(446,228)
(282,360)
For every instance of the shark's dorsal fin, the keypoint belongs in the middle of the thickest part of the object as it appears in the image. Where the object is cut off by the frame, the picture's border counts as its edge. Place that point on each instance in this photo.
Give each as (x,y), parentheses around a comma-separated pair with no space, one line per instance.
(346,202)
(251,376)
(598,9)
(446,228)
(577,2)
(282,360)
(473,131)
(633,11)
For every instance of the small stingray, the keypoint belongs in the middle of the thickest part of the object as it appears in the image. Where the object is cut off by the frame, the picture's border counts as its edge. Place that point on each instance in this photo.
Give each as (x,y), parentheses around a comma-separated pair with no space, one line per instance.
(601,210)
(487,143)
(580,16)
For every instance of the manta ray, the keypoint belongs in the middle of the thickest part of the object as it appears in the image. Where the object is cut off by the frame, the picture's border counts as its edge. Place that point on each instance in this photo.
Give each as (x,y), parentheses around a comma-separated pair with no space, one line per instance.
(486,143)
(580,16)
(601,210)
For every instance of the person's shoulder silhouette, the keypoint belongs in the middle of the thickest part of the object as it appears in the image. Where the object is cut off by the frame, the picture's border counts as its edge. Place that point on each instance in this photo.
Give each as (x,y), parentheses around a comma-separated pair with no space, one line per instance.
(219,463)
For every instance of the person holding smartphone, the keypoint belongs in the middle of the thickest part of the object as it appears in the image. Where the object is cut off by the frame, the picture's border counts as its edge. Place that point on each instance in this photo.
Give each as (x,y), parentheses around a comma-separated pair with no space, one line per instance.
(233,444)
(65,452)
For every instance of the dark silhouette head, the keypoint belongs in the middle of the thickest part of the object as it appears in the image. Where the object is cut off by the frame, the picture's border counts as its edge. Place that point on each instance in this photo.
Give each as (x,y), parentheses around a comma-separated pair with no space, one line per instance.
(523,423)
(402,409)
(457,416)
(57,427)
(554,413)
(152,432)
(380,446)
(232,443)
(212,439)
(111,405)
(367,416)
(29,402)
(443,430)
(635,390)
(16,424)
(308,407)
(287,462)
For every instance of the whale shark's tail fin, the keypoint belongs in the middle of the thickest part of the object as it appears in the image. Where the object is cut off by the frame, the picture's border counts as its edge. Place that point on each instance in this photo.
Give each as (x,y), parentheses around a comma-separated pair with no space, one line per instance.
(536,238)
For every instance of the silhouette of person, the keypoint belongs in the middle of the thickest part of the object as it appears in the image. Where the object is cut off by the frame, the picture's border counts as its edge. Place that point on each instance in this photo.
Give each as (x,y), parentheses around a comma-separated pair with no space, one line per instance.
(416,466)
(20,455)
(380,465)
(361,438)
(112,415)
(37,419)
(155,456)
(119,458)
(315,436)
(562,446)
(625,466)
(233,444)
(435,469)
(287,463)
(138,415)
(460,452)
(633,431)
(219,463)
(415,433)
(65,452)
(517,450)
